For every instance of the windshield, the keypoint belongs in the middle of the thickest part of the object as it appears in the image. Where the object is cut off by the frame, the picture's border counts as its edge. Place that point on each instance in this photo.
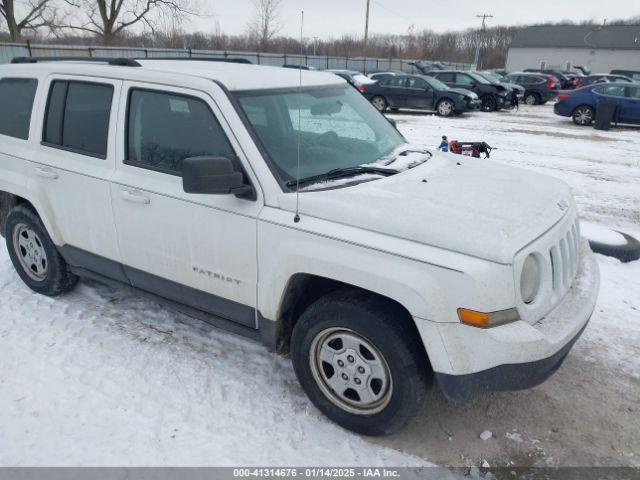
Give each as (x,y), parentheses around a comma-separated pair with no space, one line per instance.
(435,83)
(338,128)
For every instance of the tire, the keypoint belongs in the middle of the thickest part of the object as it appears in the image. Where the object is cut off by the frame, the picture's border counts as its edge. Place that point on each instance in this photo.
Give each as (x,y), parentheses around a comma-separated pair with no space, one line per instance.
(583,115)
(532,98)
(397,372)
(34,256)
(445,108)
(489,103)
(380,103)
(625,253)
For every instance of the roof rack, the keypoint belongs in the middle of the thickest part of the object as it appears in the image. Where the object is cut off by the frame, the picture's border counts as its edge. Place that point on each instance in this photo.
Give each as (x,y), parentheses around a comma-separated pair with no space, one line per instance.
(125,62)
(204,59)
(122,62)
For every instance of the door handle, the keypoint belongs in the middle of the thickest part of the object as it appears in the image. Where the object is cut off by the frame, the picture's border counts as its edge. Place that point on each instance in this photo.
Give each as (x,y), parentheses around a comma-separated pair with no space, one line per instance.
(134,196)
(46,172)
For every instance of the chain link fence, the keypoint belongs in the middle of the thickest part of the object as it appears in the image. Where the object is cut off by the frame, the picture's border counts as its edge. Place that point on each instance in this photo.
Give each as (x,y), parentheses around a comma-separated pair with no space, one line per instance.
(8,51)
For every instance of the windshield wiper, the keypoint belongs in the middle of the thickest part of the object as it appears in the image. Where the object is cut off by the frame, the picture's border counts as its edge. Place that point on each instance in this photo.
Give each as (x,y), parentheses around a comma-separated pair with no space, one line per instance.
(342,172)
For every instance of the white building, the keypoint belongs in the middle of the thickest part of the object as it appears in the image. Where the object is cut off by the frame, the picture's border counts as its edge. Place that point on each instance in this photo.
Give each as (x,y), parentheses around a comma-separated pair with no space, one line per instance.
(600,48)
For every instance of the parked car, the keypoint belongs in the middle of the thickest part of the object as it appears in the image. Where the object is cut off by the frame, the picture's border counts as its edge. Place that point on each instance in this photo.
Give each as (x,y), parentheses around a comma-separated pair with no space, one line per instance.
(354,78)
(420,92)
(633,74)
(581,104)
(299,218)
(538,88)
(605,78)
(565,83)
(493,96)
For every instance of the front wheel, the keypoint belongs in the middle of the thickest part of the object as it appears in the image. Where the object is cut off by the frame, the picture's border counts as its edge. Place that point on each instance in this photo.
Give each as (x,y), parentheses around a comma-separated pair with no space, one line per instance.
(34,256)
(380,103)
(445,108)
(583,115)
(360,363)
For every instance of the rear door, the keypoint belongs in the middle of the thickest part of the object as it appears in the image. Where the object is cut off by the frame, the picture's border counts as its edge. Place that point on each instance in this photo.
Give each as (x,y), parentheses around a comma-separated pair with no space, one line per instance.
(395,91)
(72,166)
(419,94)
(615,94)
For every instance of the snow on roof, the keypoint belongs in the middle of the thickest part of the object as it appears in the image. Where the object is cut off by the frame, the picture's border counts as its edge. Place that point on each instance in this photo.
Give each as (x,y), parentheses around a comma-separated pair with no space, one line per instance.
(237,76)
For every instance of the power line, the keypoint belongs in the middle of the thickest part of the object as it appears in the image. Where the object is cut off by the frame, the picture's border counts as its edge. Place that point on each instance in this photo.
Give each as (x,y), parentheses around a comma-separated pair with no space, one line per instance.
(484,17)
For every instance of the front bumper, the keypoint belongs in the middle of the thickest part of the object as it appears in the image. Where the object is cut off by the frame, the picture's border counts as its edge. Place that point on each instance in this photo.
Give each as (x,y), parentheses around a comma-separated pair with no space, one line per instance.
(518,355)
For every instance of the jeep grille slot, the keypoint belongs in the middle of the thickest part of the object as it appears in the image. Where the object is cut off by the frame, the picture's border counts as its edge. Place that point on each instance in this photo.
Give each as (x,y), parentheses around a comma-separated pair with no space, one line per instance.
(564,259)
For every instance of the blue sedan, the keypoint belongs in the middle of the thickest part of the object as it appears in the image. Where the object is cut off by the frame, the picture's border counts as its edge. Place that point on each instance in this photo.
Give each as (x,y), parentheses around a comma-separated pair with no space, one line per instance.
(582,104)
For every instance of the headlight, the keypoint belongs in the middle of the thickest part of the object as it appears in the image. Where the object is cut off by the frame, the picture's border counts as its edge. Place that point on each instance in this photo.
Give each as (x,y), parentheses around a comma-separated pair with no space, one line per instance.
(530,279)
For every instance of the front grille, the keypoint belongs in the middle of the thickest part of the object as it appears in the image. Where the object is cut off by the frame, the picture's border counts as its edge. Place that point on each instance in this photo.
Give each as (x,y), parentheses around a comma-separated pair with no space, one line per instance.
(564,259)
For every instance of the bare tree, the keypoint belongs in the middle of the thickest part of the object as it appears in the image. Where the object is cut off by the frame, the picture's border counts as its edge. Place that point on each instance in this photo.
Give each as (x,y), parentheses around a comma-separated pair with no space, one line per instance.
(110,18)
(35,14)
(266,24)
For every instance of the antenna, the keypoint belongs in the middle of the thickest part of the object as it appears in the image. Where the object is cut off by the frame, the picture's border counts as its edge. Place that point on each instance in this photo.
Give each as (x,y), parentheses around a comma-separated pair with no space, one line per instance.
(296,218)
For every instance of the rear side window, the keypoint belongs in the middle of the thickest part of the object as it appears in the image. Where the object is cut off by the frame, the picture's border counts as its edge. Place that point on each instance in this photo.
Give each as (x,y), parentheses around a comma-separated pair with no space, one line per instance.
(163,129)
(77,117)
(613,91)
(16,103)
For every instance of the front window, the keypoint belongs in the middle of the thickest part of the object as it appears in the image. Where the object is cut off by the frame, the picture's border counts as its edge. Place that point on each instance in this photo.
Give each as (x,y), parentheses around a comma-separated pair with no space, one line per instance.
(336,127)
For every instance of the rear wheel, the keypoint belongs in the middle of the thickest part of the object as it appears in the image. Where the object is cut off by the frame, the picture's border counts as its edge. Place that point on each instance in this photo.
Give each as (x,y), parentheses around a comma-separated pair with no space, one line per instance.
(34,256)
(380,103)
(489,103)
(445,108)
(360,363)
(583,115)
(532,98)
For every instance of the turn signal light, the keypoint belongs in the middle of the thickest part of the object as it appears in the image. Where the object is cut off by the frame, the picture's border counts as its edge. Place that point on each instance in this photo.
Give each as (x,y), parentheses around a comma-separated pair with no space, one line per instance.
(563,96)
(487,319)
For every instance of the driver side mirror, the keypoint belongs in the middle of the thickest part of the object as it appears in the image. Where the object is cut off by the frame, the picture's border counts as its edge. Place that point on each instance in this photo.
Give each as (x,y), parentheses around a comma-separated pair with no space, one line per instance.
(214,176)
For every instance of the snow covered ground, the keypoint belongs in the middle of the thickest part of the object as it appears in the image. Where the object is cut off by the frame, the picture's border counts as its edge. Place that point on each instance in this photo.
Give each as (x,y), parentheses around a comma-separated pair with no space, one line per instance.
(103,377)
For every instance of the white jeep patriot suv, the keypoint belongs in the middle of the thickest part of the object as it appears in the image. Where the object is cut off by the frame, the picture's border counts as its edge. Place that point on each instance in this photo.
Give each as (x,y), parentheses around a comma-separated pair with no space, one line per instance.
(289,210)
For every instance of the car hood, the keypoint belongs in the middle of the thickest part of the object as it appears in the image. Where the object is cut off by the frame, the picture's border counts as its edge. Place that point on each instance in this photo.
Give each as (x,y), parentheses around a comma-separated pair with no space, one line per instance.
(465,92)
(467,205)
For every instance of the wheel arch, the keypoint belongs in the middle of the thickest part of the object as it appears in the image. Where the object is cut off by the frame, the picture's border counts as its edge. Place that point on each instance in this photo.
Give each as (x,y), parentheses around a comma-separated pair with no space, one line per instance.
(303,289)
(12,198)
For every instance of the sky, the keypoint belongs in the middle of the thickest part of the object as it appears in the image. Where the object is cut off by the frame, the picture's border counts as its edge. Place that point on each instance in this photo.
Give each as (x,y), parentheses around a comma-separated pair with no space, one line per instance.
(333,18)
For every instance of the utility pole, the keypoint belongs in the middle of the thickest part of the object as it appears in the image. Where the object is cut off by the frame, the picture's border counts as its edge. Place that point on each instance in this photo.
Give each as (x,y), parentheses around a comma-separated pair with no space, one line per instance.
(484,17)
(366,28)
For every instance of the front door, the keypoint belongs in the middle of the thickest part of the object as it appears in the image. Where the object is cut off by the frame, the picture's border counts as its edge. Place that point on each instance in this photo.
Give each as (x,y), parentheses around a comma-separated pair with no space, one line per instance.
(419,94)
(199,250)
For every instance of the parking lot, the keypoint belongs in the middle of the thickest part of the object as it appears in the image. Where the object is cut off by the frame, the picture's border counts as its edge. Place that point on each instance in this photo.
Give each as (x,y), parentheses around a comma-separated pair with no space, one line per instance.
(103,377)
